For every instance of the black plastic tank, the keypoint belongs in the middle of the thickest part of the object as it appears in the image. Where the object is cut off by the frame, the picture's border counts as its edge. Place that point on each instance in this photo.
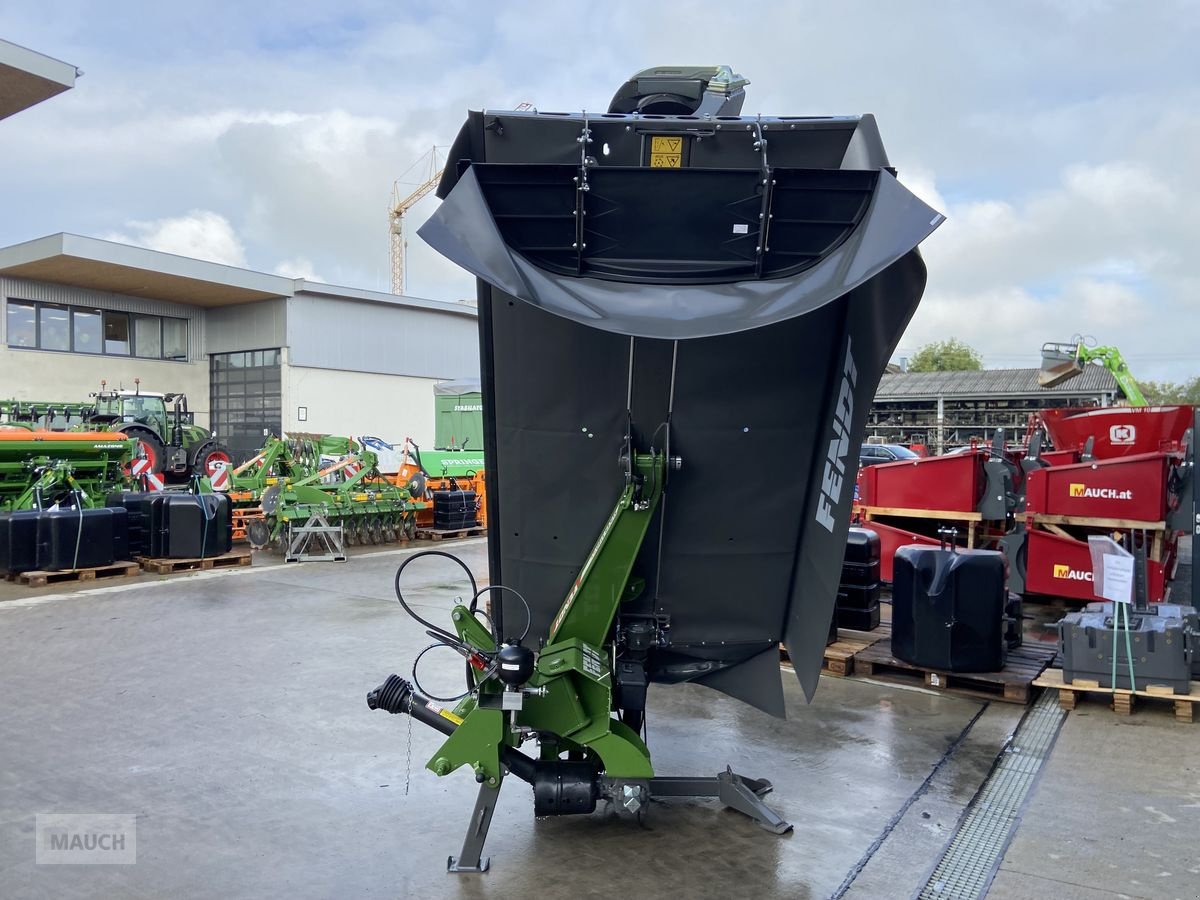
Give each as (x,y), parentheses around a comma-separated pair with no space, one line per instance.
(455,509)
(861,564)
(142,521)
(191,526)
(18,541)
(75,538)
(948,608)
(858,592)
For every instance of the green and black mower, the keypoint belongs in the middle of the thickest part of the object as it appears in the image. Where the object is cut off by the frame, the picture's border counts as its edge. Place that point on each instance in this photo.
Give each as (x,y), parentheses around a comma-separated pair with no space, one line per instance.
(670,285)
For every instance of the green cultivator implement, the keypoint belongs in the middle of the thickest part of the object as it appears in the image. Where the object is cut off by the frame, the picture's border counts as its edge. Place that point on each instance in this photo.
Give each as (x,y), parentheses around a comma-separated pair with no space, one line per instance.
(290,482)
(38,468)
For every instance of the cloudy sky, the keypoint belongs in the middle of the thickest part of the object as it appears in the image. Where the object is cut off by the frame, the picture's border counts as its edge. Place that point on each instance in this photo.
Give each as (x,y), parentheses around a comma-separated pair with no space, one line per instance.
(1062,139)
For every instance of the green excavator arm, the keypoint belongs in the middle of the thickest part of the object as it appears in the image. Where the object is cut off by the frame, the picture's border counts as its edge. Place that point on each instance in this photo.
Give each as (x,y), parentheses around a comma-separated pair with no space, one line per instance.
(1063,361)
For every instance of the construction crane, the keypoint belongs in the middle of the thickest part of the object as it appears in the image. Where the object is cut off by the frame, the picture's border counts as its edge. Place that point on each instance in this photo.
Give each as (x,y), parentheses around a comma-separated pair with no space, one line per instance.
(429,169)
(1063,361)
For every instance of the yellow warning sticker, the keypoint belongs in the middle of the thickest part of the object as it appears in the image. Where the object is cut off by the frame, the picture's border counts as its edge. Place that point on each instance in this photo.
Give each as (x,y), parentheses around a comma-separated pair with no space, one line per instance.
(446,714)
(666,152)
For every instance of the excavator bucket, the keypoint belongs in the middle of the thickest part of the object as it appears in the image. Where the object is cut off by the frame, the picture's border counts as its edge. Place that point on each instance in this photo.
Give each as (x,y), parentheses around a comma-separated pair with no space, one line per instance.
(713,285)
(1060,363)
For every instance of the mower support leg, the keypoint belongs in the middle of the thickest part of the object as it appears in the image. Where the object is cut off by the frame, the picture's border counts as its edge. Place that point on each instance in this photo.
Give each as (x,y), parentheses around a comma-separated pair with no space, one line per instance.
(481,818)
(733,790)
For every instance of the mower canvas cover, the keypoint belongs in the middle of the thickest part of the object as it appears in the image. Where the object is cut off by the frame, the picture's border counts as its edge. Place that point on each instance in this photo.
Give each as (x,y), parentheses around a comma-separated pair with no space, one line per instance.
(722,287)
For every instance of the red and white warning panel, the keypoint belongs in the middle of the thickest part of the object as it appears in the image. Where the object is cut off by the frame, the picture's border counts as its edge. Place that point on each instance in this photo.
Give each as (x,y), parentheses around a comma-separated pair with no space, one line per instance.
(220,478)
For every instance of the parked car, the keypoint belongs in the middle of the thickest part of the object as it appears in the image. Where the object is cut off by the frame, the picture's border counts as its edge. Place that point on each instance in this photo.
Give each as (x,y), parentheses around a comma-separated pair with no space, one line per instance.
(873,454)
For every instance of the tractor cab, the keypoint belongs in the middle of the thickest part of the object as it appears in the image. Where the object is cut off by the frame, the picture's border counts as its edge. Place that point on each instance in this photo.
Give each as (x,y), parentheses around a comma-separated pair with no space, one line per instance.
(138,407)
(115,407)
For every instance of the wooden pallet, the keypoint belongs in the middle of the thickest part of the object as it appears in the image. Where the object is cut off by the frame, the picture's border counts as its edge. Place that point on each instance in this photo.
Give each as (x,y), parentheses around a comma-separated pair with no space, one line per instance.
(231,560)
(441,534)
(839,656)
(1012,684)
(1121,700)
(123,569)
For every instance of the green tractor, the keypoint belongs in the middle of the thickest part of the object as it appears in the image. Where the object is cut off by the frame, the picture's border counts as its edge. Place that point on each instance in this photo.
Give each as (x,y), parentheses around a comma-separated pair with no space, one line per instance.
(167,437)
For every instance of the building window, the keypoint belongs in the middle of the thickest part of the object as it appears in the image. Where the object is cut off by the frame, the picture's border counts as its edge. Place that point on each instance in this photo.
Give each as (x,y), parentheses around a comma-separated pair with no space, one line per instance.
(53,326)
(116,333)
(54,329)
(87,331)
(147,336)
(174,338)
(22,324)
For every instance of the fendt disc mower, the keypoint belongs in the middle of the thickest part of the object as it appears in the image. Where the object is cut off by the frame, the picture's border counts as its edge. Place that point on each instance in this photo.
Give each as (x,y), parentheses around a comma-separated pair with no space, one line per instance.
(698,285)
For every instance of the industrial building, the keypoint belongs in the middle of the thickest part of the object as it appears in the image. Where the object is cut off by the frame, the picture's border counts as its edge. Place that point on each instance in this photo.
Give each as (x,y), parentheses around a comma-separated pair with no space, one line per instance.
(943,410)
(27,78)
(256,354)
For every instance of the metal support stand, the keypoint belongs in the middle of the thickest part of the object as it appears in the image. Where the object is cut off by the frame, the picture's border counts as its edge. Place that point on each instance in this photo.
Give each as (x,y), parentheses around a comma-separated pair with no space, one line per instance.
(733,790)
(330,546)
(481,818)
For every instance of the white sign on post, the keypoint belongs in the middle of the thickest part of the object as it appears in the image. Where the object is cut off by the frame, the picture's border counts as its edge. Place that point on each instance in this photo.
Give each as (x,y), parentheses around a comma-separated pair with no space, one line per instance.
(1118,578)
(1112,569)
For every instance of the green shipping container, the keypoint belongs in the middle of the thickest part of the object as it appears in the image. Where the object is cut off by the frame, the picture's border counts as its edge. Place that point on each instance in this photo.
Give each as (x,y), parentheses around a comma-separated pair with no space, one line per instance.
(459,410)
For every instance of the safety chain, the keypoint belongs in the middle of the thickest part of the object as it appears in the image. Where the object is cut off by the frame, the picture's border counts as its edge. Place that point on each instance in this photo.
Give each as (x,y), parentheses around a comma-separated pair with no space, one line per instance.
(408,754)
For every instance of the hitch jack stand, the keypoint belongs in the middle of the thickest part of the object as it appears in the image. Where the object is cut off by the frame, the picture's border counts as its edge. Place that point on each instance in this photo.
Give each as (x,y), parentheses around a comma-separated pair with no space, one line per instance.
(481,818)
(734,791)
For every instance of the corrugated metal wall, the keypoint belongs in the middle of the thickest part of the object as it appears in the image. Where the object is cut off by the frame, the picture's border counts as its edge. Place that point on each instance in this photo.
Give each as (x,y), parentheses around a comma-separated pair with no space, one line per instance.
(251,326)
(326,333)
(23,289)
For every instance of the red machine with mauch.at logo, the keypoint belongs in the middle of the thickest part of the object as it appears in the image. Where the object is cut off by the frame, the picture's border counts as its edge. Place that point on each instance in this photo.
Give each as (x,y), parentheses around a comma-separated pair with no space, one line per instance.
(1132,488)
(1059,566)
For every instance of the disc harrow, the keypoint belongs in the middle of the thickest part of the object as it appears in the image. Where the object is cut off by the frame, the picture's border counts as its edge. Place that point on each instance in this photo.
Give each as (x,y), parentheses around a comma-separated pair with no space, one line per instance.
(291,480)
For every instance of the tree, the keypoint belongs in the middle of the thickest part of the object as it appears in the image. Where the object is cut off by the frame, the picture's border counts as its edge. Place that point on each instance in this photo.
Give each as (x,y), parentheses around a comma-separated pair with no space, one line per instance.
(1169,392)
(946,356)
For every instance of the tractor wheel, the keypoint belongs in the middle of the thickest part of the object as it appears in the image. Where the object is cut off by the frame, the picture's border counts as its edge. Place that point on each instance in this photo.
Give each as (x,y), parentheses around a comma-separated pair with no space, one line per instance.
(206,457)
(149,448)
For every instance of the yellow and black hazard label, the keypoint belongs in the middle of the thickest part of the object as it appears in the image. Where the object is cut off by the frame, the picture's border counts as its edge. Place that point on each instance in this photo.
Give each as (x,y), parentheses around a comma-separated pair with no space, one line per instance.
(666,151)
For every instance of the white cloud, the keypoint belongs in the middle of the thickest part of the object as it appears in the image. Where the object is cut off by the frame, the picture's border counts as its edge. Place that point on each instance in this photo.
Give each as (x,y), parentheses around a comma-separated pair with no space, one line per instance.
(201,233)
(1058,140)
(298,267)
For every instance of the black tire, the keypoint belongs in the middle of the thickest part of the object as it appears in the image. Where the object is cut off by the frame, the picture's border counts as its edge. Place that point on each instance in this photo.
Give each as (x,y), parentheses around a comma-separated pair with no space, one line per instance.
(148,443)
(204,454)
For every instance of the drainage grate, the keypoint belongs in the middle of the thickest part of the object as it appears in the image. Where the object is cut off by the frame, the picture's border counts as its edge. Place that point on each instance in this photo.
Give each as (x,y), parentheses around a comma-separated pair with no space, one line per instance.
(973,855)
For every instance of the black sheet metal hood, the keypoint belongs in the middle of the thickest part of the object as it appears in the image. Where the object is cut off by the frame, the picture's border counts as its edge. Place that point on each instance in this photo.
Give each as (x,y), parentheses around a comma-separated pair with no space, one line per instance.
(731,285)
